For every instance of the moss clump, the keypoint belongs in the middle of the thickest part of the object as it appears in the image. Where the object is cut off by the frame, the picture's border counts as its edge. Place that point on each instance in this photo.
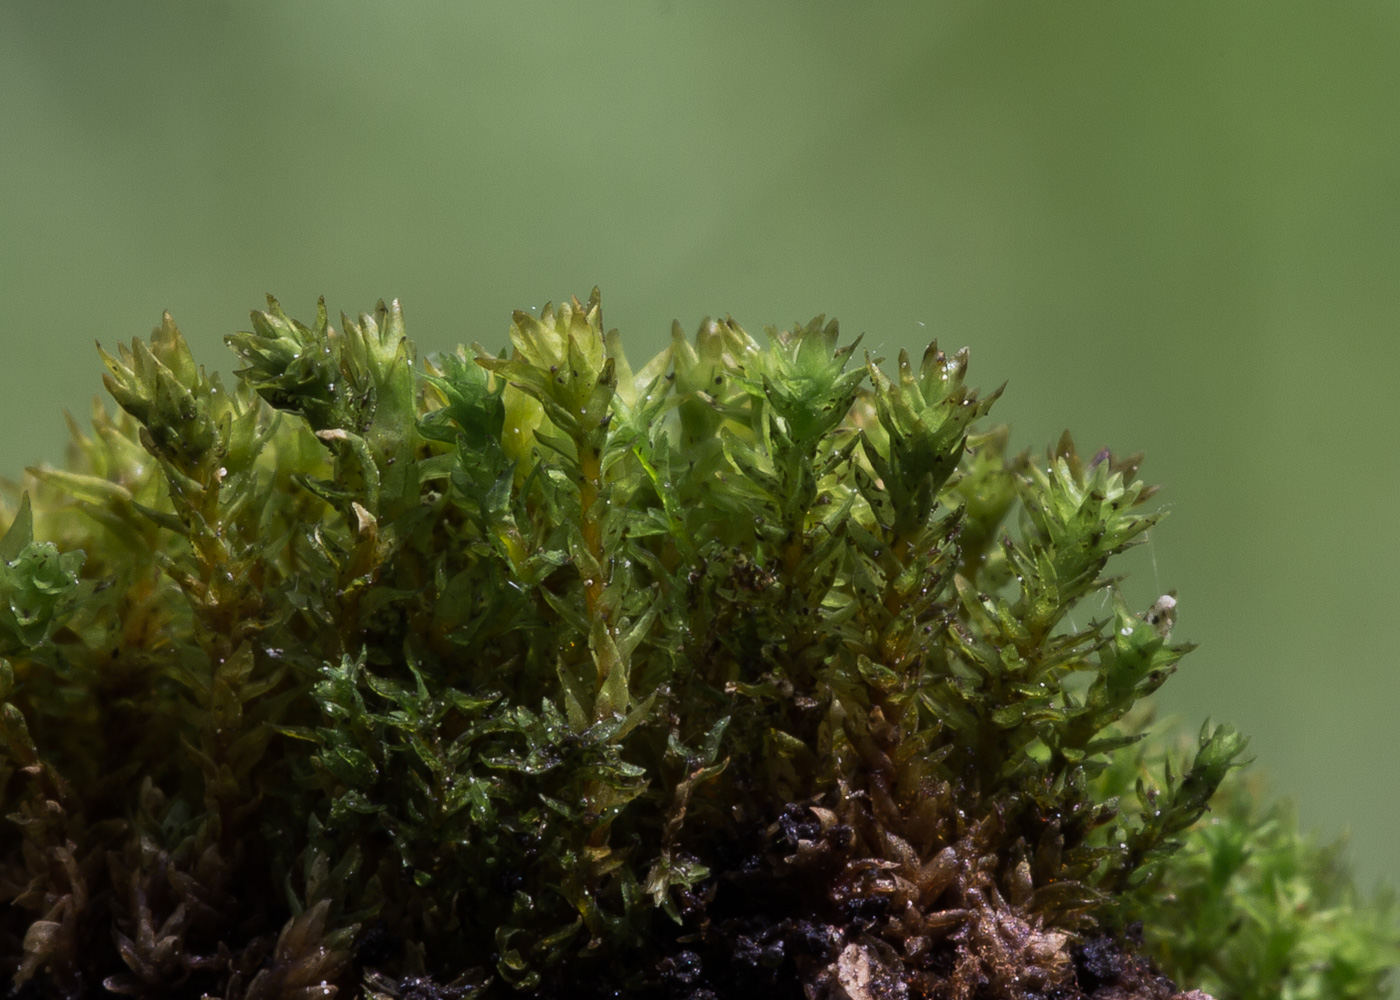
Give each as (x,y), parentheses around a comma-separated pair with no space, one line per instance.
(749,672)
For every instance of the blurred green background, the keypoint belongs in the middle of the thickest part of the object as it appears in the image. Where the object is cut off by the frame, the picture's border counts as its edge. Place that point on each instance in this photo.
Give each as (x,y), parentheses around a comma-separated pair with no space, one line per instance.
(1172,227)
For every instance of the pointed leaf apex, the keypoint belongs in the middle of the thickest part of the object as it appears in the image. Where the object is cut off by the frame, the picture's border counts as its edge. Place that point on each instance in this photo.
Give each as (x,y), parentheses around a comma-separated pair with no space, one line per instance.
(20,533)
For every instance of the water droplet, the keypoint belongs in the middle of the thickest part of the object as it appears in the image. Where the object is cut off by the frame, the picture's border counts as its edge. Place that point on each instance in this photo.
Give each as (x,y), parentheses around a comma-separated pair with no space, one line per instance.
(1126,631)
